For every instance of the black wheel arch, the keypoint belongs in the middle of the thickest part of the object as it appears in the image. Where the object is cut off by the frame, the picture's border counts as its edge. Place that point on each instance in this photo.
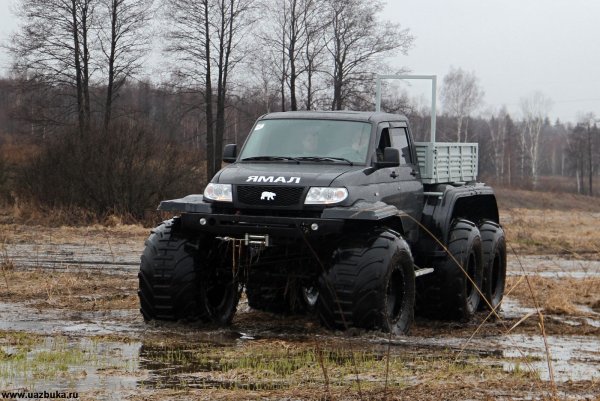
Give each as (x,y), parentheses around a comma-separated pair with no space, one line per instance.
(365,216)
(446,203)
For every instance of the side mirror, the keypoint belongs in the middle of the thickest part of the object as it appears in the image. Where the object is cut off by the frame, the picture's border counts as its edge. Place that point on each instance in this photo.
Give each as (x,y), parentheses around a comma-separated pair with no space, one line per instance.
(230,153)
(391,158)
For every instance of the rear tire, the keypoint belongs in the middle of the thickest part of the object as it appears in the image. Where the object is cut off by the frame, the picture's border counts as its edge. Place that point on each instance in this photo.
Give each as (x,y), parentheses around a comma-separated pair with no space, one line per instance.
(168,282)
(448,293)
(370,284)
(494,264)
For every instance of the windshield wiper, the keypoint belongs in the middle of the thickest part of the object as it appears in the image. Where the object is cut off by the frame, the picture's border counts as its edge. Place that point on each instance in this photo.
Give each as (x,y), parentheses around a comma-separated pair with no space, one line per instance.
(324,159)
(268,158)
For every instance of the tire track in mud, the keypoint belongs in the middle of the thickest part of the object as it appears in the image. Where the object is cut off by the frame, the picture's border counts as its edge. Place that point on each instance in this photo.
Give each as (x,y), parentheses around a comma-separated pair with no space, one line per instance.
(108,258)
(124,257)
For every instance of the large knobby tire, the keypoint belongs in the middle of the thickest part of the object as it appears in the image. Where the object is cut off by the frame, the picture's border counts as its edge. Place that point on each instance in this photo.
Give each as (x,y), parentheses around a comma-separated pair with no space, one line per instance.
(370,284)
(453,290)
(168,281)
(218,282)
(494,263)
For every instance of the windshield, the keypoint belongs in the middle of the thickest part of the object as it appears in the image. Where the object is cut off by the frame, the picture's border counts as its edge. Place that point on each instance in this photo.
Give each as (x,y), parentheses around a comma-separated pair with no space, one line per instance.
(302,138)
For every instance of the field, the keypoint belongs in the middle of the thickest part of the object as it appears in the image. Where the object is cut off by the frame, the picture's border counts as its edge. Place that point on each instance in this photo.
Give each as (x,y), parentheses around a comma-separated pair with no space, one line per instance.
(69,322)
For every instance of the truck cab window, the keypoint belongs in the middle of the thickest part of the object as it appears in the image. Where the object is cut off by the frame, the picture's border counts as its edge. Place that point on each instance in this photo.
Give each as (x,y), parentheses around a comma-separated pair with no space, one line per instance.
(384,142)
(400,142)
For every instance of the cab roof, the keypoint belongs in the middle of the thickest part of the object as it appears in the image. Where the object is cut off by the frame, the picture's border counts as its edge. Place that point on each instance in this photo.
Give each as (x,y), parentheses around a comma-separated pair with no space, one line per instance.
(365,116)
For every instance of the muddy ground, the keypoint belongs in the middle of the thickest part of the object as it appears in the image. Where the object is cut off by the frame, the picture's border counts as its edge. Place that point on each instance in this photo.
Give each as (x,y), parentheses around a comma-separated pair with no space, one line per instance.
(69,321)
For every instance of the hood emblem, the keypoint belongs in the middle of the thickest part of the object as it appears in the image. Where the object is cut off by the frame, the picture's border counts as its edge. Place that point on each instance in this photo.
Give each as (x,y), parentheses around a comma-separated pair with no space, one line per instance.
(268,196)
(273,179)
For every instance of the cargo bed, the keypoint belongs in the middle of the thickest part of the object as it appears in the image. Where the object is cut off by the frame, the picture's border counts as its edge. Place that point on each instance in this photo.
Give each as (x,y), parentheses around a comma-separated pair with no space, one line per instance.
(447,162)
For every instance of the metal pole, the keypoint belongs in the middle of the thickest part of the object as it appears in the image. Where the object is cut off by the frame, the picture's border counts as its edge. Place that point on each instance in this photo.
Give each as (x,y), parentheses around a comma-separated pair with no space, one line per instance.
(433,105)
(378,95)
(432,78)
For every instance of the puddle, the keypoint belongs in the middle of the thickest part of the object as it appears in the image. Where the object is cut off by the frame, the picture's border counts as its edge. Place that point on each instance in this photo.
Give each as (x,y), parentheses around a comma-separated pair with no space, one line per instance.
(573,358)
(70,365)
(74,355)
(552,267)
(21,317)
(217,351)
(513,309)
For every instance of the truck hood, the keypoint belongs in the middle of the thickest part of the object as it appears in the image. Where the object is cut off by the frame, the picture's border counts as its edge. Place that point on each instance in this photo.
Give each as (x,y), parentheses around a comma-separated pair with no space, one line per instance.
(303,174)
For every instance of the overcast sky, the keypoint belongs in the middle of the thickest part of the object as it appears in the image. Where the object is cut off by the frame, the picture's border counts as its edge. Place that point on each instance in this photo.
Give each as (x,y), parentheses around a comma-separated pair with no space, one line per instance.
(515,47)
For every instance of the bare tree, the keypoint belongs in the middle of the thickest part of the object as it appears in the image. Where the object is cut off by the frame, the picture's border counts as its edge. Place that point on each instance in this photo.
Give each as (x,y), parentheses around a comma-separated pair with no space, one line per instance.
(581,144)
(289,36)
(460,96)
(535,110)
(498,124)
(314,47)
(357,41)
(204,36)
(591,133)
(124,41)
(266,90)
(294,39)
(576,151)
(54,46)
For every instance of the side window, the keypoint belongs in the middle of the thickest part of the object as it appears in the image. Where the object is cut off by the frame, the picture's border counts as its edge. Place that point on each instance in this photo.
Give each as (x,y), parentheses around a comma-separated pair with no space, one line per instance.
(400,142)
(384,142)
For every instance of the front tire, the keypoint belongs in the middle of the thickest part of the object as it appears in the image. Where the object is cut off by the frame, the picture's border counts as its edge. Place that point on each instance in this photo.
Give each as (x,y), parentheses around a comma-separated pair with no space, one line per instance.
(370,284)
(168,281)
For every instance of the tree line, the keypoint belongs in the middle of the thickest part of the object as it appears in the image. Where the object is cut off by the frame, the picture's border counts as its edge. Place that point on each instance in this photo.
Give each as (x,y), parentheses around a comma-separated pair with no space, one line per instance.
(102,120)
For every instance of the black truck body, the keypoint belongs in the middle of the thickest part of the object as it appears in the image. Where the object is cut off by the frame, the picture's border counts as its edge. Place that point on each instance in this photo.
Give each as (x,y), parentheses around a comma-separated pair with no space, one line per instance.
(345,231)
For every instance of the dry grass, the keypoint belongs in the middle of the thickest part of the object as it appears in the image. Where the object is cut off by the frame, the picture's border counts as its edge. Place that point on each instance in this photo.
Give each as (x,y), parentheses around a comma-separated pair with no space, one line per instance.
(573,233)
(463,388)
(31,213)
(21,233)
(558,296)
(511,198)
(83,291)
(17,153)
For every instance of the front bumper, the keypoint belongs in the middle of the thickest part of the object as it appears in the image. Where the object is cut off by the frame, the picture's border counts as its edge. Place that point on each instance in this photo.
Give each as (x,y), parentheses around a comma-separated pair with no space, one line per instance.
(197,215)
(239,225)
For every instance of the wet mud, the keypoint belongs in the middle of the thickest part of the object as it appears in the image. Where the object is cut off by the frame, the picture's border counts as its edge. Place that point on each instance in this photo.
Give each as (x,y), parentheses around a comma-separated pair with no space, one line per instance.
(114,354)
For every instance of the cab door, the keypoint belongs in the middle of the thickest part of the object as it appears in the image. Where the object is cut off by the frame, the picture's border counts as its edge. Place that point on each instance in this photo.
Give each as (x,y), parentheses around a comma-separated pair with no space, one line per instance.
(401,186)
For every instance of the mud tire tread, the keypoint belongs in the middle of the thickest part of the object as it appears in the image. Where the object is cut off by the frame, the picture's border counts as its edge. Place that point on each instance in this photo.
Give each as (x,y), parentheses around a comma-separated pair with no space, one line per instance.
(444,294)
(493,244)
(168,285)
(353,290)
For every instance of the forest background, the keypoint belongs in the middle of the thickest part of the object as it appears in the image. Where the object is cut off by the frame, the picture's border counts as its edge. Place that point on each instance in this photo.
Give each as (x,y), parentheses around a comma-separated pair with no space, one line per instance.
(87,133)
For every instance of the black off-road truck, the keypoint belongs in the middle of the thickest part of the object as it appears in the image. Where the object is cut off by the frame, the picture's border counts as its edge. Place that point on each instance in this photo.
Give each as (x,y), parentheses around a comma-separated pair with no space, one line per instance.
(337,213)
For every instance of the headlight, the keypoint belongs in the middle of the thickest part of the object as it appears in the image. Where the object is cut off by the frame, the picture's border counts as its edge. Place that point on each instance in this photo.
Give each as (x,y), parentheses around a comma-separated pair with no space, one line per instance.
(218,192)
(325,196)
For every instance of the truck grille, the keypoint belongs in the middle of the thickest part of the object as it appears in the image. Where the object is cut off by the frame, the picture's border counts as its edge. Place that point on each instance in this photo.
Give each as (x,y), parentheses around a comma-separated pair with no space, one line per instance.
(269,195)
